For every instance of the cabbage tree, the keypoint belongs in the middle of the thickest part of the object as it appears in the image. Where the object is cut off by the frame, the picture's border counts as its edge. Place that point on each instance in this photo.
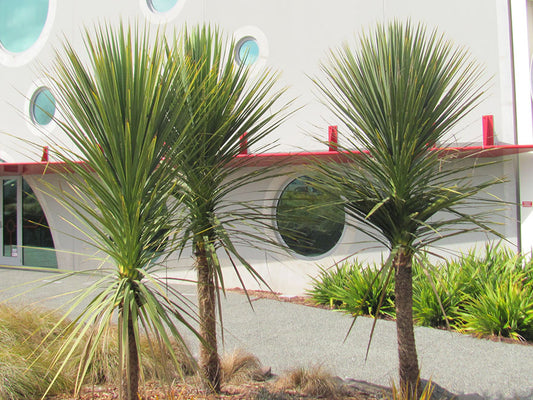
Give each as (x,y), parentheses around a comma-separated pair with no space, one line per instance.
(118,108)
(399,94)
(226,100)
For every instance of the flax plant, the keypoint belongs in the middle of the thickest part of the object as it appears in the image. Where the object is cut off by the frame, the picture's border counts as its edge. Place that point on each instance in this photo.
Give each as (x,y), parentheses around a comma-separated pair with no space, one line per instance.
(399,94)
(226,100)
(119,107)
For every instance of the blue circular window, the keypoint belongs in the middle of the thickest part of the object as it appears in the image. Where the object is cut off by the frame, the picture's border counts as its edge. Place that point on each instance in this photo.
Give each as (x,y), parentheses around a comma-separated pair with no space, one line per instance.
(21,23)
(309,221)
(247,51)
(161,6)
(42,106)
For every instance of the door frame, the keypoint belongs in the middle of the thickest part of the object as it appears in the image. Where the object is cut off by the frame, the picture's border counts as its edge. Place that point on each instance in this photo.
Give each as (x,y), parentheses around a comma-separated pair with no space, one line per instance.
(16,259)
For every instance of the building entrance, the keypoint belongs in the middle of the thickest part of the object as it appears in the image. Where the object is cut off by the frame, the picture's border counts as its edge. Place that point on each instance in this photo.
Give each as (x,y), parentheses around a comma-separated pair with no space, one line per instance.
(24,234)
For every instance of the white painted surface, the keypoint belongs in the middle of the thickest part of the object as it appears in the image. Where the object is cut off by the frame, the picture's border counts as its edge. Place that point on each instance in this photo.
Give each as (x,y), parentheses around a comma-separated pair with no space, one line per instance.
(298,35)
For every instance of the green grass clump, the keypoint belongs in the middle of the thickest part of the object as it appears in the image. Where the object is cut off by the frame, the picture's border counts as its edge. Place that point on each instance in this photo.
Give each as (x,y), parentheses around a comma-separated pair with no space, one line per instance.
(439,293)
(487,294)
(353,287)
(504,310)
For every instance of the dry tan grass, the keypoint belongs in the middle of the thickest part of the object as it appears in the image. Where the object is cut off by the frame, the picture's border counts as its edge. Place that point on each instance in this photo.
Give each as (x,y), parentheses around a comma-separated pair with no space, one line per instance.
(29,345)
(240,367)
(156,361)
(313,381)
(25,359)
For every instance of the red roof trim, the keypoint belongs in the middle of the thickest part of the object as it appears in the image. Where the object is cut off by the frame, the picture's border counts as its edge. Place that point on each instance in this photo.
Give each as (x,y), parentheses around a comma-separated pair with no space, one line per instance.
(32,168)
(264,159)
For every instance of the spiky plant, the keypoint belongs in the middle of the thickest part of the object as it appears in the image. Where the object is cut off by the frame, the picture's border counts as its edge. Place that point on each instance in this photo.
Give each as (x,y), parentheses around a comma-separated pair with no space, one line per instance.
(118,107)
(225,100)
(399,94)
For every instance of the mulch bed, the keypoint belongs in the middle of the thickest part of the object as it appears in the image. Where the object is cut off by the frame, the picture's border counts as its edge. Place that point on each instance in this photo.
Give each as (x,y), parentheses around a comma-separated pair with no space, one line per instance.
(255,295)
(183,391)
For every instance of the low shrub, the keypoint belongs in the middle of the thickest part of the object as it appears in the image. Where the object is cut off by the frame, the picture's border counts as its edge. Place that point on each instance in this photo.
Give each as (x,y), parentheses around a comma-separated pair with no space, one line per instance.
(505,309)
(354,288)
(482,294)
(438,293)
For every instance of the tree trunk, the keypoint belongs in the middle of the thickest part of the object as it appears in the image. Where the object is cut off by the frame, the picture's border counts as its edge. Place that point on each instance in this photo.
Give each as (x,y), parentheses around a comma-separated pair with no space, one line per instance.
(403,290)
(209,361)
(132,364)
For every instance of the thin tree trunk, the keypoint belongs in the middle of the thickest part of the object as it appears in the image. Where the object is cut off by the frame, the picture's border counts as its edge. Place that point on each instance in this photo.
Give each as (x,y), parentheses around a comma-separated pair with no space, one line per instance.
(403,290)
(132,364)
(209,361)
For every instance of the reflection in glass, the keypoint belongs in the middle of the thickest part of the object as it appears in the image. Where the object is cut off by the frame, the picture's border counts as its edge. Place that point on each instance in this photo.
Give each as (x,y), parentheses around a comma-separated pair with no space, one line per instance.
(307,219)
(9,218)
(38,245)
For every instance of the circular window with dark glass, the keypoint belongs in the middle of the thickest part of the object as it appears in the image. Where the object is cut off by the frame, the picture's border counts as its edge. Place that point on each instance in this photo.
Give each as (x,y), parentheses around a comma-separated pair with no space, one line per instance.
(308,219)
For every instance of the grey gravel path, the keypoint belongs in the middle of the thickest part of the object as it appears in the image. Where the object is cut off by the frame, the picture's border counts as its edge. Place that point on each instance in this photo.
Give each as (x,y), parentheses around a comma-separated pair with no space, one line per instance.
(284,335)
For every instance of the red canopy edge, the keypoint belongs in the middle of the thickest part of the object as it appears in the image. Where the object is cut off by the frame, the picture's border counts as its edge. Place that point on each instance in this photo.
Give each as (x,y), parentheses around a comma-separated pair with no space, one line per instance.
(289,158)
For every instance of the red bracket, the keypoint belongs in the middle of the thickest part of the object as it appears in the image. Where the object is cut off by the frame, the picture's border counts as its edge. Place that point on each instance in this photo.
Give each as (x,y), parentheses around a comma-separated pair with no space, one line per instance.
(333,139)
(243,144)
(488,130)
(44,157)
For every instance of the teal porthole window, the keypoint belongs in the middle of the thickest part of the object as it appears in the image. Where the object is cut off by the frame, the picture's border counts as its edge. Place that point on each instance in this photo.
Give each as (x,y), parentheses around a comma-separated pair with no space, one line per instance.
(21,23)
(42,106)
(308,220)
(247,51)
(161,6)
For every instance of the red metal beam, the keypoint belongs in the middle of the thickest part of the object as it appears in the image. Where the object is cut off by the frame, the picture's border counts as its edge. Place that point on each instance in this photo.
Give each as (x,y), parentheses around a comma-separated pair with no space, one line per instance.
(265,159)
(32,168)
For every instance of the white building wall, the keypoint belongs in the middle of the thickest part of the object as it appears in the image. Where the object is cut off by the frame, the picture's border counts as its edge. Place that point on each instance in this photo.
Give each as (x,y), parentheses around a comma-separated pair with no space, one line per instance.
(296,35)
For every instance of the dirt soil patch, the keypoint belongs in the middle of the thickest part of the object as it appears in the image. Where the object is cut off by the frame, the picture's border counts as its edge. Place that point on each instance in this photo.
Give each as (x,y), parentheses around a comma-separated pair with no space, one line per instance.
(249,391)
(255,295)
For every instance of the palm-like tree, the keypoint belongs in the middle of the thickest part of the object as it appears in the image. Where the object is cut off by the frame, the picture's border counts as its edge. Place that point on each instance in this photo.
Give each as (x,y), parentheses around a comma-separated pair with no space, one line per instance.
(118,108)
(225,101)
(399,94)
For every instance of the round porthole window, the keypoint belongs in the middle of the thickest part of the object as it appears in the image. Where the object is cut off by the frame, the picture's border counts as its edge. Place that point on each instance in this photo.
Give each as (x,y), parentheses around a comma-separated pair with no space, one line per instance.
(307,220)
(247,51)
(42,106)
(21,23)
(161,6)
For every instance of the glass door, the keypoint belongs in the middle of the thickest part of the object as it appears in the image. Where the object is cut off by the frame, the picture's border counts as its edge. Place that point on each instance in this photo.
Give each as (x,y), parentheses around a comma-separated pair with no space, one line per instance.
(10,220)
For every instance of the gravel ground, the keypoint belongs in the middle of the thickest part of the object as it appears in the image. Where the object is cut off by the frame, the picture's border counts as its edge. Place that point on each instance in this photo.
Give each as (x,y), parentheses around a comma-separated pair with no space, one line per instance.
(284,335)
